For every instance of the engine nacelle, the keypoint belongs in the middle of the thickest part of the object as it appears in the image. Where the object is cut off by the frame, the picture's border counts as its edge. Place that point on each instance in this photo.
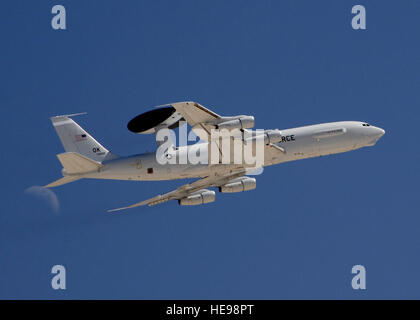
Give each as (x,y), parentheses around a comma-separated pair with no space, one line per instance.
(244,122)
(201,197)
(270,136)
(239,185)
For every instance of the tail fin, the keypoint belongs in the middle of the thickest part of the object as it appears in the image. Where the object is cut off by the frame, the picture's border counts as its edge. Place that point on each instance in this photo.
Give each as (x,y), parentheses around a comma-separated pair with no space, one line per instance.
(75,139)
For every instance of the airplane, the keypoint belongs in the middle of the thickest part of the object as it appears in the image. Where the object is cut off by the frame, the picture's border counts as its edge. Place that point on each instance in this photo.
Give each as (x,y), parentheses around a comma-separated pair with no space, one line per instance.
(87,158)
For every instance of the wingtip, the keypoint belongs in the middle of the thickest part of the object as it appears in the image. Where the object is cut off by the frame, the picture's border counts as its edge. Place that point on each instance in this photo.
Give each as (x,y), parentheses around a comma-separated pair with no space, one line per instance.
(114,210)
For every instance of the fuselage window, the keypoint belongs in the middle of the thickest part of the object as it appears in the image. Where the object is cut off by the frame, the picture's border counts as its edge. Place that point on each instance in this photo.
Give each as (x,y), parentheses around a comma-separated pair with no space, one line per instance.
(329,133)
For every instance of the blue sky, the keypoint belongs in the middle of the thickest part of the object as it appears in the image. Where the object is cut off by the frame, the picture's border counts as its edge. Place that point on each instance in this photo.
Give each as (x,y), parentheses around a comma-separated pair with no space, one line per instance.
(288,63)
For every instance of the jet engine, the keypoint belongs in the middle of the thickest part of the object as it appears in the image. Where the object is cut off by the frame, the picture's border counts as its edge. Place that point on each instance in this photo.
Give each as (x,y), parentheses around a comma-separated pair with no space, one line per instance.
(242,122)
(269,136)
(200,197)
(239,185)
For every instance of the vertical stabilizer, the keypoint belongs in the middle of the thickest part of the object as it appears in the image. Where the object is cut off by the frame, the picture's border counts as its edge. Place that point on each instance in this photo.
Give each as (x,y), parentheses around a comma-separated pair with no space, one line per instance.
(75,139)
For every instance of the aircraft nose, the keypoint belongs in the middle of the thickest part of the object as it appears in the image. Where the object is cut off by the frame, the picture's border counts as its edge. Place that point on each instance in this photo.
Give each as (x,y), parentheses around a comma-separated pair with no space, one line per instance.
(379,132)
(373,134)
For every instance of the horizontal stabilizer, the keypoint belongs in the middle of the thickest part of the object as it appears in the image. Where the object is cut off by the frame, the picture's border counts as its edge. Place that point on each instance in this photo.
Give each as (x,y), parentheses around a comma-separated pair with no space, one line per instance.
(75,163)
(62,181)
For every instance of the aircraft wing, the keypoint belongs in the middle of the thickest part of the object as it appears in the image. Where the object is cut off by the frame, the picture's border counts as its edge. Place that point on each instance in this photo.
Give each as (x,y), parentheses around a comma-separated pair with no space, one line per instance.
(187,189)
(197,117)
(194,112)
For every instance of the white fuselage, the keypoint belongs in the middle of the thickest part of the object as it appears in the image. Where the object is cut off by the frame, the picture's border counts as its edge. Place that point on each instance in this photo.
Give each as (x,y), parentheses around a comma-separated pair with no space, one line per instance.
(298,143)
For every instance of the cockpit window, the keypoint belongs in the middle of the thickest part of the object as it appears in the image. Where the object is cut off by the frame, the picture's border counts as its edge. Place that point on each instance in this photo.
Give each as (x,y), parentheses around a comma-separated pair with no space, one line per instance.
(366,124)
